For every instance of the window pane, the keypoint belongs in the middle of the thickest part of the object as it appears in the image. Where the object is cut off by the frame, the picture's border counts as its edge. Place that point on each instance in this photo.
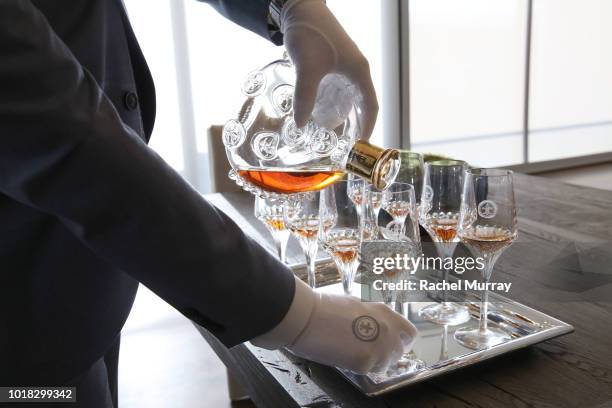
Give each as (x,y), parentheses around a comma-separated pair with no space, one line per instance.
(221,54)
(571,79)
(467,62)
(219,64)
(362,20)
(152,25)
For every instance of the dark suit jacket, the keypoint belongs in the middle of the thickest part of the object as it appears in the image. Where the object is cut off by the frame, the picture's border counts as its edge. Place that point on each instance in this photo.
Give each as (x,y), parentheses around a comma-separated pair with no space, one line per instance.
(87,210)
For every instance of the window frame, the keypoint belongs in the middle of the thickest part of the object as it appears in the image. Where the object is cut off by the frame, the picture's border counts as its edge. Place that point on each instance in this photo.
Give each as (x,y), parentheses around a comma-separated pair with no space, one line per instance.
(401,119)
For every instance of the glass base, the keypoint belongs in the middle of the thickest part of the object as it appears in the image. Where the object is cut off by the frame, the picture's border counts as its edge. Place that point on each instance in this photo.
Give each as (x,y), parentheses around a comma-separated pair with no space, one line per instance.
(476,339)
(447,314)
(409,363)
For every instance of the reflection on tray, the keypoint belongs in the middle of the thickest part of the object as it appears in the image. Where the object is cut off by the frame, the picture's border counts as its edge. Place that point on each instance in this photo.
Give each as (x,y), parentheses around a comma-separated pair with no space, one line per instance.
(436,351)
(441,353)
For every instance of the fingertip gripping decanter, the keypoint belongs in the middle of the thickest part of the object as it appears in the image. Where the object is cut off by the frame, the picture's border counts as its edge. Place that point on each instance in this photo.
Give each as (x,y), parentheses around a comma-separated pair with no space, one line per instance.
(271,157)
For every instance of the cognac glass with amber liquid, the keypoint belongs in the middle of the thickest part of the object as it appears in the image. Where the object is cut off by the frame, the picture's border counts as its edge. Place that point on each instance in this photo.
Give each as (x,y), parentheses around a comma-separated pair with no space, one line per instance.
(487,226)
(270,213)
(303,217)
(342,240)
(273,158)
(439,215)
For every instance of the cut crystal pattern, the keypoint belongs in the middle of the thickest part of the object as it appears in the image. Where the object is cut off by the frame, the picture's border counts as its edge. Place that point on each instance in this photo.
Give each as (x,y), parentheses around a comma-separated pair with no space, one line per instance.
(282,97)
(233,134)
(294,136)
(254,83)
(265,145)
(323,142)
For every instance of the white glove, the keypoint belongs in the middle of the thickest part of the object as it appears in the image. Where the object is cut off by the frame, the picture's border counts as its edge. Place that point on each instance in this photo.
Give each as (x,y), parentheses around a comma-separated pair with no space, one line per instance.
(341,331)
(318,45)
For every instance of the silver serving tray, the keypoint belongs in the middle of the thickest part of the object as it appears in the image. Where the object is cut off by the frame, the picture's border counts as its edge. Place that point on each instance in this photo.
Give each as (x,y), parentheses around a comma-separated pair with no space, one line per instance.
(436,347)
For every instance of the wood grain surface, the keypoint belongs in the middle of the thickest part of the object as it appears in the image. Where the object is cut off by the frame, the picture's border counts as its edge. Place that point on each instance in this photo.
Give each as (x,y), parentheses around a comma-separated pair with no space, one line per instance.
(561,265)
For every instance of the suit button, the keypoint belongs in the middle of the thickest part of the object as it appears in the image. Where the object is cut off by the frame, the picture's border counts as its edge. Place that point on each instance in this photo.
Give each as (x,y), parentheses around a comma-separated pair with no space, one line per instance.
(130,100)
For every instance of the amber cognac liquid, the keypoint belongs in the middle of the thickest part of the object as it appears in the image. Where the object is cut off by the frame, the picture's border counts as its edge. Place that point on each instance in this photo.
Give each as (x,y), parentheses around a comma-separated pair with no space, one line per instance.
(343,245)
(290,181)
(442,229)
(274,222)
(488,242)
(397,209)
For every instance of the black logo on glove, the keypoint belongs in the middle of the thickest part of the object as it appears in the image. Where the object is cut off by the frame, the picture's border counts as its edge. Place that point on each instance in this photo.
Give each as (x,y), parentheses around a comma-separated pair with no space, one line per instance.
(366,328)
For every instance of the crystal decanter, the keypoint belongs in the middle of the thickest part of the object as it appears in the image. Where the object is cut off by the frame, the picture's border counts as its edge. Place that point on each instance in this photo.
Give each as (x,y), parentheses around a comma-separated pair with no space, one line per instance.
(271,157)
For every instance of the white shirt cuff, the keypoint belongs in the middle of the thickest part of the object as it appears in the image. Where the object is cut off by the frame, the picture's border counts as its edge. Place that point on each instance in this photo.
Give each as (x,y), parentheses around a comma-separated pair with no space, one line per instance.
(295,321)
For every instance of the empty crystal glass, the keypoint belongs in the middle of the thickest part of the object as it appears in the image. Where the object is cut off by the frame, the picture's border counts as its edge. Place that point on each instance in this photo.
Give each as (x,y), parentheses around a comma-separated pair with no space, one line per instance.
(411,172)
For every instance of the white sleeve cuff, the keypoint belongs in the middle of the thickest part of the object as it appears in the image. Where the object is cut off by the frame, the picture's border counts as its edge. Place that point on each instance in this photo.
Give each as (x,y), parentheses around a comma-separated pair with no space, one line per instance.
(295,321)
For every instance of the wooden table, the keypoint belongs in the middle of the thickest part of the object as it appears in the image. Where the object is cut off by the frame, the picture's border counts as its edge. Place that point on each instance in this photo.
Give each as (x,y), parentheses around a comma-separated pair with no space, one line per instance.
(561,265)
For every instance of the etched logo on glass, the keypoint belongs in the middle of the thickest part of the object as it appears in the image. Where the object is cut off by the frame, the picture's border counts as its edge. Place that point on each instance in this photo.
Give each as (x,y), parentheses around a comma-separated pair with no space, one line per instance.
(265,145)
(323,142)
(282,97)
(294,136)
(428,194)
(254,83)
(233,134)
(339,154)
(487,209)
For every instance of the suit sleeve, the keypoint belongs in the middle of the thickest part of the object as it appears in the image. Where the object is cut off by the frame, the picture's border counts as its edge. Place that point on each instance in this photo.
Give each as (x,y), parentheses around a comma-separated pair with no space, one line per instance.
(65,151)
(250,14)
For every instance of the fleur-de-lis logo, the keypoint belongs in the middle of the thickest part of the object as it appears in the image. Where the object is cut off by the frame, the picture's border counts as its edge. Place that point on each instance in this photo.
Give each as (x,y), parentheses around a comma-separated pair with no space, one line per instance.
(294,136)
(487,209)
(282,97)
(428,194)
(323,142)
(265,145)
(341,151)
(254,83)
(396,228)
(233,134)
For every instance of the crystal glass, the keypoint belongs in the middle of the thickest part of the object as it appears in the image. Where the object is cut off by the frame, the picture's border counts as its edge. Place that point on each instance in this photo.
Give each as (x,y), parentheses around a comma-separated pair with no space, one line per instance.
(301,215)
(439,215)
(411,171)
(270,156)
(400,237)
(270,213)
(373,204)
(355,191)
(398,200)
(487,226)
(343,239)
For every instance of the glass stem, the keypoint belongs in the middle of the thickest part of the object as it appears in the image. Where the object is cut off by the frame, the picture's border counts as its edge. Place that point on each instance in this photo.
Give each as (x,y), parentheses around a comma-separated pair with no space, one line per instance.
(445,250)
(444,292)
(484,301)
(311,255)
(401,221)
(376,213)
(484,311)
(278,245)
(347,283)
(347,272)
(280,239)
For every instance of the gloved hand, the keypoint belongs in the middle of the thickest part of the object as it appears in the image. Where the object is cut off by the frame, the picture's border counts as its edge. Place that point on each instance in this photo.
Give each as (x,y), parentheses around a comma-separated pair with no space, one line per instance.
(341,331)
(318,45)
